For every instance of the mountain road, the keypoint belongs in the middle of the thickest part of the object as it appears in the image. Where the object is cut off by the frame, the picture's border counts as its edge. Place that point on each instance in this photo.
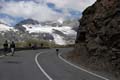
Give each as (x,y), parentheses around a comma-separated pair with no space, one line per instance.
(42,64)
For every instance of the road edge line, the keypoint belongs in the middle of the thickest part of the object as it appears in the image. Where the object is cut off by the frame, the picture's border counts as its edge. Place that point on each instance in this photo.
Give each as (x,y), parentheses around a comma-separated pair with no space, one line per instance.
(39,66)
(4,55)
(68,62)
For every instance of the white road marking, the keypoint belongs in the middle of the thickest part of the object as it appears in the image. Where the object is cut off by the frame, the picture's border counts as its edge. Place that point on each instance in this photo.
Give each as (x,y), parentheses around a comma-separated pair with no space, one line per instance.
(43,71)
(81,68)
(4,55)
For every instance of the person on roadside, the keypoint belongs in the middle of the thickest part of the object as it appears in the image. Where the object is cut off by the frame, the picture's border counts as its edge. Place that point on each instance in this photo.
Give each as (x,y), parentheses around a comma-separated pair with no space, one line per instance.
(12,48)
(5,45)
(30,45)
(41,45)
(57,50)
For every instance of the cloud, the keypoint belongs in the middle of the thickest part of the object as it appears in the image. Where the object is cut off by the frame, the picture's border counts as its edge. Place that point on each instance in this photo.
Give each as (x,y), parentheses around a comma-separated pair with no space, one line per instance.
(79,5)
(43,10)
(29,10)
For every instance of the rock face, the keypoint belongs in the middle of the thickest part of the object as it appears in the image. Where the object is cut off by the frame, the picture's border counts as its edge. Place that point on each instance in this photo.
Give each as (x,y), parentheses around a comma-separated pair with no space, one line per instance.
(100,31)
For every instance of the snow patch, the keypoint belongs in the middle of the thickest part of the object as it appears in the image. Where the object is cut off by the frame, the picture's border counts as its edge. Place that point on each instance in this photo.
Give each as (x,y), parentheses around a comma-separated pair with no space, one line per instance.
(49,29)
(58,39)
(4,27)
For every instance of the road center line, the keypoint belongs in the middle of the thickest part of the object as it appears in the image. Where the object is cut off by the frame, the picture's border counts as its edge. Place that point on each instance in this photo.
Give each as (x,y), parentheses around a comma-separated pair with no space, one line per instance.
(80,67)
(39,66)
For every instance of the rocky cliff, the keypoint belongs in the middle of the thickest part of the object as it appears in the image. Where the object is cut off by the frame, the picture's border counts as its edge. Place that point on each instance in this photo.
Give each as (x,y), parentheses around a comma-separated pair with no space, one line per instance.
(99,31)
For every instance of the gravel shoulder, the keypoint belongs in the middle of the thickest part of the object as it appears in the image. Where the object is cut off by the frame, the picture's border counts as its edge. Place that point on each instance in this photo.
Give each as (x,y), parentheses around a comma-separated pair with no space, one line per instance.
(83,65)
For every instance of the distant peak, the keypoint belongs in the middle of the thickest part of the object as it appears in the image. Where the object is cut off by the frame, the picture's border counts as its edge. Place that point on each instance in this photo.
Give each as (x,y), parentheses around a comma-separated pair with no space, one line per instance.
(29,21)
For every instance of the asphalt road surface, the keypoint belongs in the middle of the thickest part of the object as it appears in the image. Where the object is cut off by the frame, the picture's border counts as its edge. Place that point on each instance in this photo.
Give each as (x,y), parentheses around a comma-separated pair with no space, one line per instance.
(41,64)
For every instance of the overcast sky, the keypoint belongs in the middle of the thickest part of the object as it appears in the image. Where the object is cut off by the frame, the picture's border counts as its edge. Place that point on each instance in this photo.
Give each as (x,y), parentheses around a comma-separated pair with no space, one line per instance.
(13,11)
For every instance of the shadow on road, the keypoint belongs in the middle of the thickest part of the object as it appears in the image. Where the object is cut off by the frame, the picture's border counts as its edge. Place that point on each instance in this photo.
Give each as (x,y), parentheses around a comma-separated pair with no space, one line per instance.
(13,62)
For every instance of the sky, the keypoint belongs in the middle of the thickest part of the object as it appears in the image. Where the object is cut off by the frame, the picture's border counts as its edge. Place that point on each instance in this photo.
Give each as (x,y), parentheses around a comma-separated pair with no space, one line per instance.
(14,11)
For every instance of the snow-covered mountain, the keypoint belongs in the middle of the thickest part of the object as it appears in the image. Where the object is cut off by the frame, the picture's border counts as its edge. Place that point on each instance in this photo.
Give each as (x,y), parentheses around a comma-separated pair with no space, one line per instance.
(60,32)
(5,27)
(50,30)
(8,33)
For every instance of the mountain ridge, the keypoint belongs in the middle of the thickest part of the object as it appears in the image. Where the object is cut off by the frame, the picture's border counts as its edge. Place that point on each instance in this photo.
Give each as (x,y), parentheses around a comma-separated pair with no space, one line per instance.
(49,30)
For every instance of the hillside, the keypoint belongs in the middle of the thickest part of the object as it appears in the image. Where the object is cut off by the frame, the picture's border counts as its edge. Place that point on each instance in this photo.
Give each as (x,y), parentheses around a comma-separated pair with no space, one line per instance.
(5,27)
(98,37)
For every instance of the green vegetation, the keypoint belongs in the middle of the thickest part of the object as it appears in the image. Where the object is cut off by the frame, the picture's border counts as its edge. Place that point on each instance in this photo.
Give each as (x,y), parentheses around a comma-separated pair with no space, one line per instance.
(34,42)
(37,43)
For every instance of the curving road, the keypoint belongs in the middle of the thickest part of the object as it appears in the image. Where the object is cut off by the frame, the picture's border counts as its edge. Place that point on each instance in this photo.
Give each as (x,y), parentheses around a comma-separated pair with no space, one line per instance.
(41,64)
